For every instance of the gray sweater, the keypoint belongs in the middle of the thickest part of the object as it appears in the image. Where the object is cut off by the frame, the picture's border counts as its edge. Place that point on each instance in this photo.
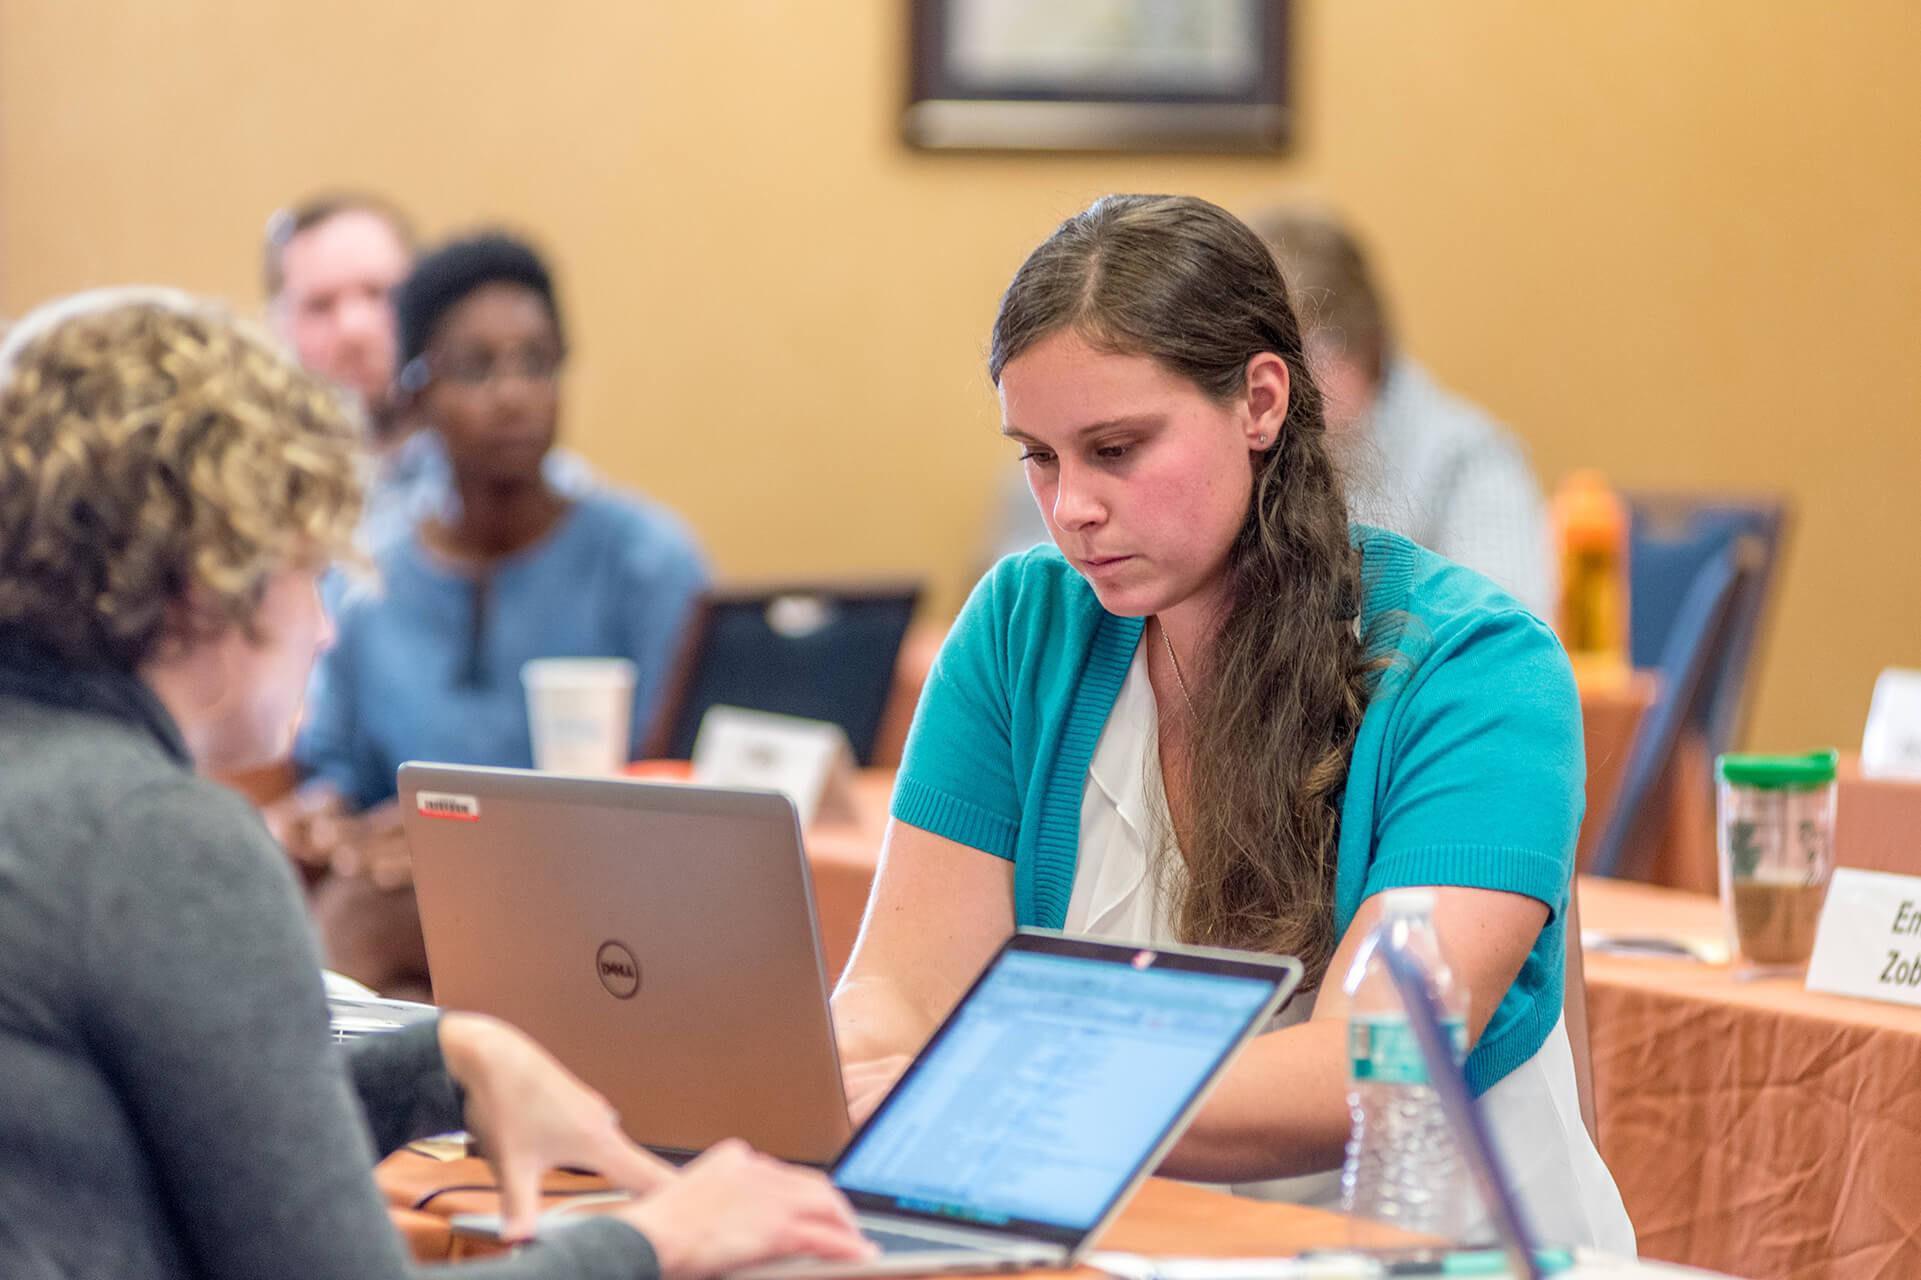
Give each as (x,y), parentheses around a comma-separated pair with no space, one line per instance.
(170,1101)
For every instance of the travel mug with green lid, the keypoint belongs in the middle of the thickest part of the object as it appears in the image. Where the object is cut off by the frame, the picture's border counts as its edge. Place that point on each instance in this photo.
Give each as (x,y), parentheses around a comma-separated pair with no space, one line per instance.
(1776,840)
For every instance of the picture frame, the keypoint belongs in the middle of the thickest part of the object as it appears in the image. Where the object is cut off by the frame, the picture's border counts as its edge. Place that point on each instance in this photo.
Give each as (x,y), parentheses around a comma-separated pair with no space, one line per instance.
(1098,75)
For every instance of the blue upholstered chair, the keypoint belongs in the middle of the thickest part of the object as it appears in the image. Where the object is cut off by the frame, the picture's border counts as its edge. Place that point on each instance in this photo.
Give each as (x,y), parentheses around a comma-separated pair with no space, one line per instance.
(1627,845)
(1672,538)
(1701,571)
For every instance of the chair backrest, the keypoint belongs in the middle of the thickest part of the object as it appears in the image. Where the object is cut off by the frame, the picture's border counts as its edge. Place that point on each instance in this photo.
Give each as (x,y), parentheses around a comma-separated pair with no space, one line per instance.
(1694,643)
(1673,537)
(824,652)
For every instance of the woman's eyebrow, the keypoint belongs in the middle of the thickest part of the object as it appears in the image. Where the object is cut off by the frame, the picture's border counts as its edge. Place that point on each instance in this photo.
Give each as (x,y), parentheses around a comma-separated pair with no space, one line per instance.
(1013,432)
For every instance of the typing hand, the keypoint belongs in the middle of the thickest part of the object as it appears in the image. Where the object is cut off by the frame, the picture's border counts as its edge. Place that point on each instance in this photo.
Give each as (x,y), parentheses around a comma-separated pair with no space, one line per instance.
(869,1083)
(734,1207)
(531,1114)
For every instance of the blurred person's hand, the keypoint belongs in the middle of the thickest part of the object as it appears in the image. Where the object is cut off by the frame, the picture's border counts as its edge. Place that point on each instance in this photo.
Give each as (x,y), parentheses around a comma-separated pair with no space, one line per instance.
(531,1114)
(734,1207)
(868,1083)
(373,844)
(309,822)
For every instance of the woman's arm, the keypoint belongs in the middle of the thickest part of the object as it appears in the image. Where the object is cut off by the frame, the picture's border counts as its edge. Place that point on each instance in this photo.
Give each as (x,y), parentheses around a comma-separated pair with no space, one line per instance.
(199,991)
(402,1084)
(938,911)
(1483,804)
(1281,1109)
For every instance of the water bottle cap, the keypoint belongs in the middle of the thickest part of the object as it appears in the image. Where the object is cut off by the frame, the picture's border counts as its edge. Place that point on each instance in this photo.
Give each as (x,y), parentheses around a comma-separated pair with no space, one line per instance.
(1408,902)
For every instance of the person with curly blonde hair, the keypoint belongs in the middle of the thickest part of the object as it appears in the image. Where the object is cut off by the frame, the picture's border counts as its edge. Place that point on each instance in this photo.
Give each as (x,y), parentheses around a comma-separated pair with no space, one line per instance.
(170,486)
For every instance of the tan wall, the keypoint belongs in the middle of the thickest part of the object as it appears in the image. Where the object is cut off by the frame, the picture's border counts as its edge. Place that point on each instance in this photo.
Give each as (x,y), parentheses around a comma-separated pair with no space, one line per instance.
(1677,240)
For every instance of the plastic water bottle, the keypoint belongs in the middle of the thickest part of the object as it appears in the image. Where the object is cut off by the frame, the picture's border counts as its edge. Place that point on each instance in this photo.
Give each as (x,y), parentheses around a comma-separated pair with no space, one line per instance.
(1402,1166)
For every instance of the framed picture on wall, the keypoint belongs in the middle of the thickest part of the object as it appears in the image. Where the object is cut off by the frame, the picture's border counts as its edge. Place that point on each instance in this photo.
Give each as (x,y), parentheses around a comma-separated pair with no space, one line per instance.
(1098,75)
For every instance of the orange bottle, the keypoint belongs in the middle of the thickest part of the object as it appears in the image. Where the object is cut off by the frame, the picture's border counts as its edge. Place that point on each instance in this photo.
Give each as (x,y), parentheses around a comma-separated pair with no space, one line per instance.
(1591,536)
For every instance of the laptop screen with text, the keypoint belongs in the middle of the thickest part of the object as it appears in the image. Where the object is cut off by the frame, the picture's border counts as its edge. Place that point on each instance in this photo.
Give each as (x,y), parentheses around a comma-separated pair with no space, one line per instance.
(1048,1088)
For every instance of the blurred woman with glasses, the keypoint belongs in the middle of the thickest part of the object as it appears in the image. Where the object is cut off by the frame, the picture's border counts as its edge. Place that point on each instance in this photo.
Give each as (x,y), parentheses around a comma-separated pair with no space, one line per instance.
(430,650)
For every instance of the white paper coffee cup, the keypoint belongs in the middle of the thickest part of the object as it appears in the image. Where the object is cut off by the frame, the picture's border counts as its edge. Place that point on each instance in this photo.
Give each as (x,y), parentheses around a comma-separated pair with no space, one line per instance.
(579,710)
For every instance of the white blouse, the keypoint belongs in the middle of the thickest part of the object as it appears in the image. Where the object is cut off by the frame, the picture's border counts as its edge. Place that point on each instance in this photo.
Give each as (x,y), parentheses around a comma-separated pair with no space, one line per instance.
(1533,1113)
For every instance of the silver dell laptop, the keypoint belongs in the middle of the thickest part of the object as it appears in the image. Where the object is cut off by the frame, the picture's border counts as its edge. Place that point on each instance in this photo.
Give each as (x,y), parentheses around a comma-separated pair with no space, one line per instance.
(1054,1087)
(658,939)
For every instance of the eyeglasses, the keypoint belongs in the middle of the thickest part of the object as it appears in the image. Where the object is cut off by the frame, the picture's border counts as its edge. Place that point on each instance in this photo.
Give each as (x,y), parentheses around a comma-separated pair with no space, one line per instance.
(479,368)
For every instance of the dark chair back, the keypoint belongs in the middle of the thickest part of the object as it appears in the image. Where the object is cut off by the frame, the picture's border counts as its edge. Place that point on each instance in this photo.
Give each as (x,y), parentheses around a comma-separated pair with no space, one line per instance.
(824,652)
(1695,647)
(1673,537)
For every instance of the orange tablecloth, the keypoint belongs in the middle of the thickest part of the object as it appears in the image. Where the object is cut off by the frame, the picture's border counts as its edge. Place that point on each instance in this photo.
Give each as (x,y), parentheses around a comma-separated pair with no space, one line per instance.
(1164,1217)
(1611,713)
(1753,1126)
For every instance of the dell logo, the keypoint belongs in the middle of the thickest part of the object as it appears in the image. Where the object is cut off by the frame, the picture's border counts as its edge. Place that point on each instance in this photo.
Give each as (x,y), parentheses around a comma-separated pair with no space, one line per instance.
(617,970)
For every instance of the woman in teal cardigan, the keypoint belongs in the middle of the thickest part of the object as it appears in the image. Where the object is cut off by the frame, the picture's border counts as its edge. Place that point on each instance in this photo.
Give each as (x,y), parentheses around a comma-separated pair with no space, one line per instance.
(1215,712)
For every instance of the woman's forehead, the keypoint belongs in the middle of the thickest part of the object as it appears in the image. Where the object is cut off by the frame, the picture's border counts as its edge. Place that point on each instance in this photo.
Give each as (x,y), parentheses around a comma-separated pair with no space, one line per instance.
(1063,383)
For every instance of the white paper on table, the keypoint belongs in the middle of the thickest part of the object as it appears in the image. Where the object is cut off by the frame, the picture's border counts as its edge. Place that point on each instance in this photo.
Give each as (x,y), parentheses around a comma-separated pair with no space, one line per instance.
(1891,744)
(810,760)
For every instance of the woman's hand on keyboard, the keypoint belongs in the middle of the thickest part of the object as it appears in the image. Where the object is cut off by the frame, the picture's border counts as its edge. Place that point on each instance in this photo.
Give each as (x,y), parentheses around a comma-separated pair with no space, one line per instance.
(733,1208)
(531,1114)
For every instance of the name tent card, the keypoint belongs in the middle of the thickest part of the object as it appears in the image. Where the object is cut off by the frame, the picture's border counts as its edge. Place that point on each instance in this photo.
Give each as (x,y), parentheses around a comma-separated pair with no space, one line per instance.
(1869,943)
(808,759)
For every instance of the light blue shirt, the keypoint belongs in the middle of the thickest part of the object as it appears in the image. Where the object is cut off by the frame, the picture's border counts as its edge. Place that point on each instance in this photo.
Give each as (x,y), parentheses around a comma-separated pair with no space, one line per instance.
(1430,465)
(415,481)
(413,676)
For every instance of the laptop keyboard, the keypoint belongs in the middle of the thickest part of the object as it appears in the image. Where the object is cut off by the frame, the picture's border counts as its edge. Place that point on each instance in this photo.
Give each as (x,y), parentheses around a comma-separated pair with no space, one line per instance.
(901,1242)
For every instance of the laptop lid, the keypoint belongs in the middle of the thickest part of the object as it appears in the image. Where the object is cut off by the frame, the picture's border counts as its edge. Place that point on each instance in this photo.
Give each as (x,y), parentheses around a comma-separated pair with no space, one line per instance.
(1057,1083)
(825,651)
(658,939)
(1463,1114)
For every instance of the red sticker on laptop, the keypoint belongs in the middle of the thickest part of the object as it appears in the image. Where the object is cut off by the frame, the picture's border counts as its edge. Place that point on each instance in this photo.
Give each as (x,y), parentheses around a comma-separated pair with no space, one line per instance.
(441,804)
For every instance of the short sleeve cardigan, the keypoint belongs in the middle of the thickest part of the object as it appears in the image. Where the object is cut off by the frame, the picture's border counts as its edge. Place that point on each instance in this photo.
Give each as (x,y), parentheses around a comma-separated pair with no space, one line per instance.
(1467,769)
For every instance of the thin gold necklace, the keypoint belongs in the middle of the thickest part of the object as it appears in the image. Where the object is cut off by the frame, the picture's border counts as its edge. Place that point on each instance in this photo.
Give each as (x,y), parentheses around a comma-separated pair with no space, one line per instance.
(1179,679)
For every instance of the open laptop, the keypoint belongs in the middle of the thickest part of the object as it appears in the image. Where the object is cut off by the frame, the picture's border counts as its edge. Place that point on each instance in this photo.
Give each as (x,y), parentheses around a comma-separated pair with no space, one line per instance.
(658,939)
(1054,1087)
(820,651)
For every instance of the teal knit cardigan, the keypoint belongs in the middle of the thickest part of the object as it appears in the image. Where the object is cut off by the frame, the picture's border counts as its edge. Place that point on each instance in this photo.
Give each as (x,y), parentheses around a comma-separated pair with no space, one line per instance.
(1467,769)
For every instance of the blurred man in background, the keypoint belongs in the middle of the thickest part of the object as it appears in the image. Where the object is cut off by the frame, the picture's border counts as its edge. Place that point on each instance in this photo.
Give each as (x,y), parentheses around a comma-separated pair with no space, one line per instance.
(331,263)
(1418,460)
